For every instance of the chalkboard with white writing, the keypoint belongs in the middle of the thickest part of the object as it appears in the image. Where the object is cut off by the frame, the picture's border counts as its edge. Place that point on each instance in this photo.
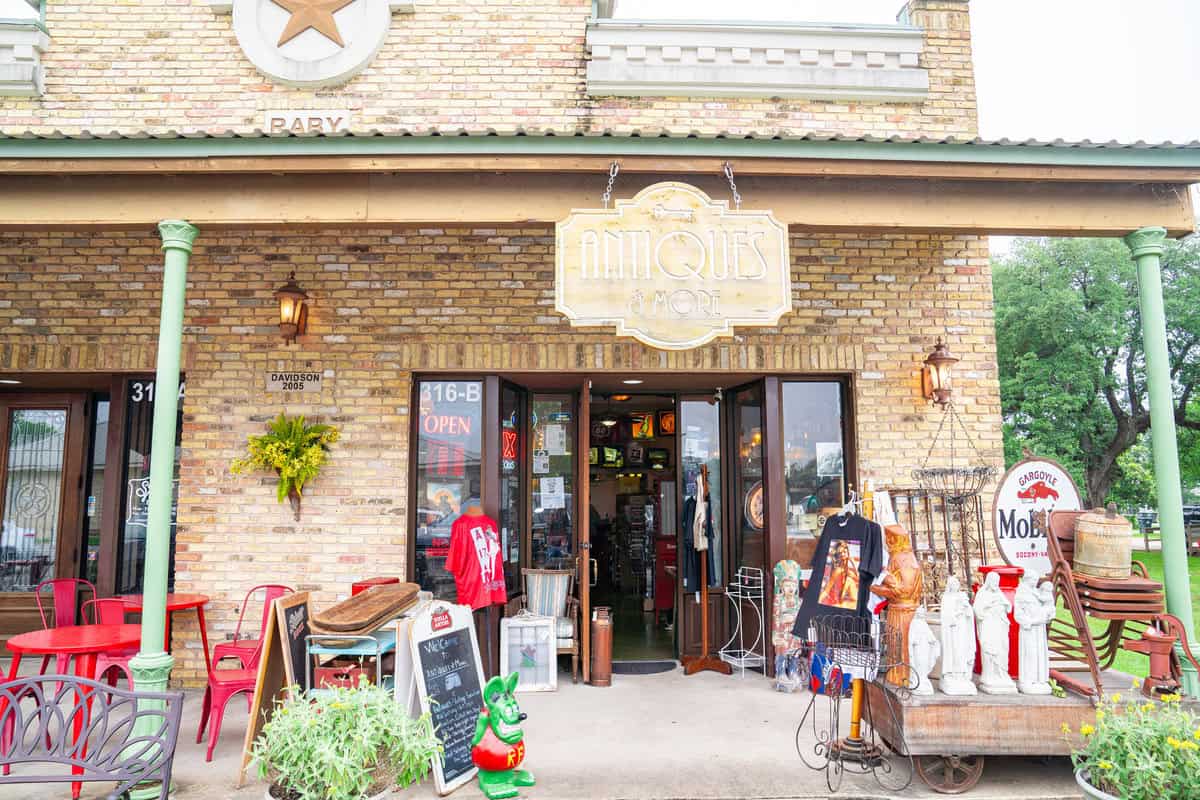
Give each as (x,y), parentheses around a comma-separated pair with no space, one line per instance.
(450,678)
(294,630)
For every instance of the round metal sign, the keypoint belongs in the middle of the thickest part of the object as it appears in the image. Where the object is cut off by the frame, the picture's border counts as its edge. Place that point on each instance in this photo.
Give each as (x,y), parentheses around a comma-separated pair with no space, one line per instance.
(1035,484)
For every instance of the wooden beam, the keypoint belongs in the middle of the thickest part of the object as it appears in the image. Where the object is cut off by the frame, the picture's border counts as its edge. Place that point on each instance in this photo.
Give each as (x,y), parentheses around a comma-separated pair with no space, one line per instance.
(1027,208)
(797,167)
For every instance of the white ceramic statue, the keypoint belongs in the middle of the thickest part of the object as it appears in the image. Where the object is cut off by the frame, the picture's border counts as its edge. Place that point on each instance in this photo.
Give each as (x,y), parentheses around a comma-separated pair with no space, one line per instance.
(991,612)
(1033,609)
(958,641)
(923,652)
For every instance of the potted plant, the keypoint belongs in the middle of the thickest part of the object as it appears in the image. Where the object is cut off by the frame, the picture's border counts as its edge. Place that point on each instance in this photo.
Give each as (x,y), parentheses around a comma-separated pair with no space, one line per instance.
(294,449)
(1140,750)
(343,744)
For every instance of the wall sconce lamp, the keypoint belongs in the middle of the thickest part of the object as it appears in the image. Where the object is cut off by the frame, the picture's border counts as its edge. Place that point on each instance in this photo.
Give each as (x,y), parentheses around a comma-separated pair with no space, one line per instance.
(293,311)
(938,366)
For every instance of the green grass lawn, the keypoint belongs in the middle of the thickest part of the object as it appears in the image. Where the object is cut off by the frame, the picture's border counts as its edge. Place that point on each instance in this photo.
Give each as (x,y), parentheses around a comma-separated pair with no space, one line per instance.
(1135,663)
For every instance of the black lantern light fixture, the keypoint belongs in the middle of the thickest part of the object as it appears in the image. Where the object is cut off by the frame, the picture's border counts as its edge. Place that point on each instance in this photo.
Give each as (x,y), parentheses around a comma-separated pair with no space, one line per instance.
(293,310)
(938,366)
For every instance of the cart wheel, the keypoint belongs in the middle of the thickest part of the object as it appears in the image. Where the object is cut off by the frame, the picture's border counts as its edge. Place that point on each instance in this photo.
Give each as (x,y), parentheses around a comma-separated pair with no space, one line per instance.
(950,774)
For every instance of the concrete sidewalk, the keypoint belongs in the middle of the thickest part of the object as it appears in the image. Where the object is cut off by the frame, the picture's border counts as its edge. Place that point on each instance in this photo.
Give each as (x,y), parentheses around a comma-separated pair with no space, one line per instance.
(660,737)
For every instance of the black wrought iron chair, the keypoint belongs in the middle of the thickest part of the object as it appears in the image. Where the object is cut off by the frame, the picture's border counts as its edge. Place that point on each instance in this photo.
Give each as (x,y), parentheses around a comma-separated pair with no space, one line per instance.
(37,726)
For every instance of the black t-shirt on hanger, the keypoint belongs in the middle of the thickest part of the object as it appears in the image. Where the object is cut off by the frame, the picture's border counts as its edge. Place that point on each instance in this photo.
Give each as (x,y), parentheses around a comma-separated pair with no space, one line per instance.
(848,558)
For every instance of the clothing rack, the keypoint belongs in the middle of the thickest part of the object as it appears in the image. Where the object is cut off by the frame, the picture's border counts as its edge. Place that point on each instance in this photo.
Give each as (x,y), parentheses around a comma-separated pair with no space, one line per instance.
(706,660)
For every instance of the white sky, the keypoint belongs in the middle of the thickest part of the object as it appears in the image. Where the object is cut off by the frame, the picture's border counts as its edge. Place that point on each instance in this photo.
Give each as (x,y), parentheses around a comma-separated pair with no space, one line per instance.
(1044,69)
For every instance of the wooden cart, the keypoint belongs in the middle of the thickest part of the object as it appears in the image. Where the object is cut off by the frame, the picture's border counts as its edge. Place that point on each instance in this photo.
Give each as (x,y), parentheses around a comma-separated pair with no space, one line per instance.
(949,737)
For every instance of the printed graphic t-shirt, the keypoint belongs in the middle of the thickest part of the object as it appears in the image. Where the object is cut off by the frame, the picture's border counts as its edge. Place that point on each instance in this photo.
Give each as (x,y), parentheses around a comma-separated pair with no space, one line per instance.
(847,559)
(476,562)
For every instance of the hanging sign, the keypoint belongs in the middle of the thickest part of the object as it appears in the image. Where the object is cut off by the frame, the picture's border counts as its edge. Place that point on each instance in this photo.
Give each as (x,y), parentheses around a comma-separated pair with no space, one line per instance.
(1035,484)
(672,268)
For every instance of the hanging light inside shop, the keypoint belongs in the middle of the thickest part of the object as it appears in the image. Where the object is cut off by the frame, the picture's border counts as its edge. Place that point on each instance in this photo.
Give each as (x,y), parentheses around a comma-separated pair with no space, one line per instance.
(938,366)
(293,310)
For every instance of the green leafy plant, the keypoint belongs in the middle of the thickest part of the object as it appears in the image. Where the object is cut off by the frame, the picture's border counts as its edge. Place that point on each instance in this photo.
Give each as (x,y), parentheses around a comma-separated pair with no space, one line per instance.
(343,744)
(295,450)
(1142,749)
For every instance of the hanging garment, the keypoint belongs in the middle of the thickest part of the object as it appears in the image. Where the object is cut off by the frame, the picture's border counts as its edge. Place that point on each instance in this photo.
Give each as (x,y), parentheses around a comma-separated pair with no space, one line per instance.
(476,562)
(691,554)
(849,557)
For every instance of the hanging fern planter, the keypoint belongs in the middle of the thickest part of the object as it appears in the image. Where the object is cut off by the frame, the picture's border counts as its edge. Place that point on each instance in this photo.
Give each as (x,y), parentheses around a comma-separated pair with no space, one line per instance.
(294,450)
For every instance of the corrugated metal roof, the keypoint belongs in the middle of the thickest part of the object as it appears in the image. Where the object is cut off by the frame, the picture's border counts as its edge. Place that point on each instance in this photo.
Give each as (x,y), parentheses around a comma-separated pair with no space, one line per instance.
(1083,144)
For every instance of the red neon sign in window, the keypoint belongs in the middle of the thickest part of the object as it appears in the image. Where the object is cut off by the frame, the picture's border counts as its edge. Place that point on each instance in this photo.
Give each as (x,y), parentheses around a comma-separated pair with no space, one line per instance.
(508,444)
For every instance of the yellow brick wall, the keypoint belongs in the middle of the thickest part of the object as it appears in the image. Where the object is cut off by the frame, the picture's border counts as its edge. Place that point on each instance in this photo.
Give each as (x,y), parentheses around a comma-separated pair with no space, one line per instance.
(388,302)
(165,65)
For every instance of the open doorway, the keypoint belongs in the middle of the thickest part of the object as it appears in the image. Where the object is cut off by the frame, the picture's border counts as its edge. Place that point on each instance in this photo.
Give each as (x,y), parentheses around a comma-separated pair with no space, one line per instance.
(633,519)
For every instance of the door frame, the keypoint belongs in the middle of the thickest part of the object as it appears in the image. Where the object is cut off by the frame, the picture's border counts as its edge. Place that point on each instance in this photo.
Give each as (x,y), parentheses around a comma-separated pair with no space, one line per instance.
(583,518)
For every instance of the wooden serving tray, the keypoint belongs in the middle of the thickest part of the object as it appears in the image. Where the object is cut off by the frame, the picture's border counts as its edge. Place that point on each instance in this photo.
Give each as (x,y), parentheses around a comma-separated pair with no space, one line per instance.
(365,612)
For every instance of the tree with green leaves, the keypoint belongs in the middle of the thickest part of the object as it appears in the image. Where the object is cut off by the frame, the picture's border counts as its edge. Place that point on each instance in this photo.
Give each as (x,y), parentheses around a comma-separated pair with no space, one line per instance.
(1072,370)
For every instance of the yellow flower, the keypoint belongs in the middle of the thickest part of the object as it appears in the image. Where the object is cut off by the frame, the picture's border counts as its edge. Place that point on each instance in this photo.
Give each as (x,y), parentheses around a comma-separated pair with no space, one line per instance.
(1102,764)
(1066,728)
(1099,716)
(1116,698)
(1189,746)
(1170,698)
(1171,740)
(1147,706)
(1086,730)
(1134,685)
(1196,735)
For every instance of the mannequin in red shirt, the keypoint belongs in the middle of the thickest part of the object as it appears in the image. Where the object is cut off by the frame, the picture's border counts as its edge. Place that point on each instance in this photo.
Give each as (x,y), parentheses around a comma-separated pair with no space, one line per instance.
(477,564)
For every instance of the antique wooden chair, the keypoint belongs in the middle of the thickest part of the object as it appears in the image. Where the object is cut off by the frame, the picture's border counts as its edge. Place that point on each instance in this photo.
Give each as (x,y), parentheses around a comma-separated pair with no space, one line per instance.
(548,594)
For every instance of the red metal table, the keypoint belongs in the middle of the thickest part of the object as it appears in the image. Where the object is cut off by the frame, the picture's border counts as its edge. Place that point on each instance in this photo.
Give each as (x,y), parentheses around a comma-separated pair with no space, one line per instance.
(176,602)
(84,643)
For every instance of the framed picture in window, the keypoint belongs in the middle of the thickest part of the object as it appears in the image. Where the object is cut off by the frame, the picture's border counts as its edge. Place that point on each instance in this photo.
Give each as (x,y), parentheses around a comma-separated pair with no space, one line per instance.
(642,426)
(637,455)
(666,423)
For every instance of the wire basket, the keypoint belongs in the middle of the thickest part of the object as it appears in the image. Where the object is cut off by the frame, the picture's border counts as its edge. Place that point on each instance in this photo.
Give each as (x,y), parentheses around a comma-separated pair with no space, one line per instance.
(855,642)
(956,484)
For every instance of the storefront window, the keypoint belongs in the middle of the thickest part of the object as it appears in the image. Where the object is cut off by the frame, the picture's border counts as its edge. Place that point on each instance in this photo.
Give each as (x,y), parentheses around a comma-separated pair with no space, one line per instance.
(814,460)
(449,444)
(700,443)
(95,493)
(552,427)
(749,541)
(139,427)
(512,485)
(33,503)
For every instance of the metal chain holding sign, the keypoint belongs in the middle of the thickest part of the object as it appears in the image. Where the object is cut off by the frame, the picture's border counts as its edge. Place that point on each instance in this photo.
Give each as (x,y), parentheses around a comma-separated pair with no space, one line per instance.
(614,169)
(737,198)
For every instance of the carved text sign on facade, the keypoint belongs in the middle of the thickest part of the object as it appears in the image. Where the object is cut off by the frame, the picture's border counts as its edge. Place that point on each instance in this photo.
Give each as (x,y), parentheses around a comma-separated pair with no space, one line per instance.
(672,268)
(314,121)
(293,381)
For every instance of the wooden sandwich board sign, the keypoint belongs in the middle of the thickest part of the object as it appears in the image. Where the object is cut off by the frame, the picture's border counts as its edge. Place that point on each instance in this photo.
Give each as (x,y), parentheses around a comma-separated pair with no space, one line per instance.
(287,619)
(450,686)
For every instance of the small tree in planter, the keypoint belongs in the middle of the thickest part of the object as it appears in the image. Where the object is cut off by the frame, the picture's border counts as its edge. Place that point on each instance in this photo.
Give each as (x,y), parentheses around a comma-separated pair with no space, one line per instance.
(343,744)
(1142,750)
(295,450)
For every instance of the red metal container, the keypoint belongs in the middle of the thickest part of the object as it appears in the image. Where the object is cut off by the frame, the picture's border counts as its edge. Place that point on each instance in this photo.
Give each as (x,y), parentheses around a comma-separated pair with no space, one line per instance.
(1010,577)
(362,586)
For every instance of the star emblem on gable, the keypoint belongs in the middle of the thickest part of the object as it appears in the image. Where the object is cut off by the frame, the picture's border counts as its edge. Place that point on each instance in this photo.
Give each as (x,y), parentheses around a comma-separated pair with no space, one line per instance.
(315,14)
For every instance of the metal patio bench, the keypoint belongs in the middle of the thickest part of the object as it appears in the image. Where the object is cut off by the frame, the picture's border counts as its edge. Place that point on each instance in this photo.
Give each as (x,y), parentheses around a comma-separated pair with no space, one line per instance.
(38,716)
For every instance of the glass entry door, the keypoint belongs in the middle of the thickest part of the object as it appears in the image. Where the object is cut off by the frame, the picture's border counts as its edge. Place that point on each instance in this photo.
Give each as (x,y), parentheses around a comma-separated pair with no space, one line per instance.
(699,437)
(41,484)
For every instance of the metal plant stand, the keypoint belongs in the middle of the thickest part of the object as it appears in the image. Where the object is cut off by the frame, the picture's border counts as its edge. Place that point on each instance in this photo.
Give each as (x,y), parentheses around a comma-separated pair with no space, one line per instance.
(748,588)
(861,648)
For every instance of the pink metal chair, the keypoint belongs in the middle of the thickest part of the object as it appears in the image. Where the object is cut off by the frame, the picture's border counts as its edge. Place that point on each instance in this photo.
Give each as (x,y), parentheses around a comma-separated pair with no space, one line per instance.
(246,650)
(66,595)
(110,611)
(223,684)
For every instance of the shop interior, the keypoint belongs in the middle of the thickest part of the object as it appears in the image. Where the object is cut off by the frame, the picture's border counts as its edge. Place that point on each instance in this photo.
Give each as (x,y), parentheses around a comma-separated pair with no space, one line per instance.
(633,512)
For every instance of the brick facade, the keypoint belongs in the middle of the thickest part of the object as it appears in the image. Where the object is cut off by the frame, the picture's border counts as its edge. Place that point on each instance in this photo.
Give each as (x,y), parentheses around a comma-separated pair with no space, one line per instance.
(162,66)
(388,303)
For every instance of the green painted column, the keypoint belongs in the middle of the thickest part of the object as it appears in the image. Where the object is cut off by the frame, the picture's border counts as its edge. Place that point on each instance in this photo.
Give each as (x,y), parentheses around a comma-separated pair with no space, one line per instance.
(1146,245)
(151,667)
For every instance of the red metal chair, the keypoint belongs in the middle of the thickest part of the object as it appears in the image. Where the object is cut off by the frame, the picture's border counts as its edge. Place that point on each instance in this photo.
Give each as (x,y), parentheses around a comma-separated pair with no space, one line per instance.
(223,684)
(246,650)
(66,595)
(110,611)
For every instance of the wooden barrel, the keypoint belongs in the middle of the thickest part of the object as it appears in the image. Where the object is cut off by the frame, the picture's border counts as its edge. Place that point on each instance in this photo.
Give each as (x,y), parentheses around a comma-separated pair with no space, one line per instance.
(1103,544)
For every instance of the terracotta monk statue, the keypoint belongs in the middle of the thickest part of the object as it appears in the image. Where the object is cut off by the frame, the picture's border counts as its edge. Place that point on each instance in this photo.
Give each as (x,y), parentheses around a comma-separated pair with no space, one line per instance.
(902,586)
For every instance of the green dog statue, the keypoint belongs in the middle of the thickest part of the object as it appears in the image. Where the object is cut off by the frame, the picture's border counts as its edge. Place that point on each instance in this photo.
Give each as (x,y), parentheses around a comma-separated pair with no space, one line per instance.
(498,747)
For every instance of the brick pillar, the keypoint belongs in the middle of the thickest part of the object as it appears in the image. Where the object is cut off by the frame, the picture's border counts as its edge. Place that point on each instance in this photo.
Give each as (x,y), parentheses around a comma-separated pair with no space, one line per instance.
(947,56)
